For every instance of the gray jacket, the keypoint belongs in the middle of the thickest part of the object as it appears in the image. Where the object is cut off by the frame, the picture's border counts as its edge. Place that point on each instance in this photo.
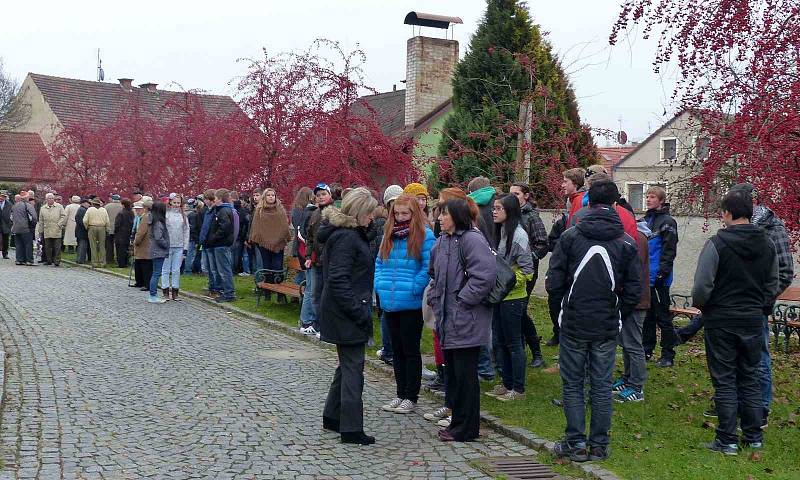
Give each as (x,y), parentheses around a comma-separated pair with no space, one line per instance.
(178,229)
(21,213)
(159,239)
(463,319)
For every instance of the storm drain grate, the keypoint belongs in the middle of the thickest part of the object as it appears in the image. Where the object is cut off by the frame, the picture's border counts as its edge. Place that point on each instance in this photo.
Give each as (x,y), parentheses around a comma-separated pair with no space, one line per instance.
(519,468)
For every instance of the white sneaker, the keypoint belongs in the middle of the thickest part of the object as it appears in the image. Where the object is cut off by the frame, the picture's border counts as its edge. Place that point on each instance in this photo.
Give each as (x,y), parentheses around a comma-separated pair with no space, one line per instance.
(319,336)
(309,330)
(244,274)
(156,300)
(392,406)
(428,374)
(379,352)
(406,407)
(439,414)
(445,422)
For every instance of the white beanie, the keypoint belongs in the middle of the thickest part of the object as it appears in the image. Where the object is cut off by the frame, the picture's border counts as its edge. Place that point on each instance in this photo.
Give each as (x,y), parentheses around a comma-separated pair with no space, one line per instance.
(391,193)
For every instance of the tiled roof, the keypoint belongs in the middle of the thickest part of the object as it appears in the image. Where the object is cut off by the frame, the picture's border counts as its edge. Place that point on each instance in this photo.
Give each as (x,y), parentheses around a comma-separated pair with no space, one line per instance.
(390,110)
(80,102)
(613,155)
(18,152)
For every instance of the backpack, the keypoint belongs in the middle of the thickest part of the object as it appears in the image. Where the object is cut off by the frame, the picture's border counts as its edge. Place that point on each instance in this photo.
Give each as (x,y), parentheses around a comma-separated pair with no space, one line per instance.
(505,281)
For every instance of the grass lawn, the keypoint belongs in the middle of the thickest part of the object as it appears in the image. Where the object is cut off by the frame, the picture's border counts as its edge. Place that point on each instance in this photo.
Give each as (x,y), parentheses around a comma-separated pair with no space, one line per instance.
(657,439)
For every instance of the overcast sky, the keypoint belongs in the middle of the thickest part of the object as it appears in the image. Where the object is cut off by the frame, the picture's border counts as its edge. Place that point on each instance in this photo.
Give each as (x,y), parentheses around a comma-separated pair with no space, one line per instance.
(196,44)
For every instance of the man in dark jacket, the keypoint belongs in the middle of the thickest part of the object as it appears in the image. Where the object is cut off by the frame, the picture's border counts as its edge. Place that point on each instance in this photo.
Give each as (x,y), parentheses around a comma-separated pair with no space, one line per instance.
(735,286)
(220,240)
(558,228)
(208,262)
(663,246)
(81,233)
(594,274)
(5,223)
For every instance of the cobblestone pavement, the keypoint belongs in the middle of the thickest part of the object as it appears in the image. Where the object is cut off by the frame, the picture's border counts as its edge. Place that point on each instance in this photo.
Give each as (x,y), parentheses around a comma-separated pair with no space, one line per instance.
(100,384)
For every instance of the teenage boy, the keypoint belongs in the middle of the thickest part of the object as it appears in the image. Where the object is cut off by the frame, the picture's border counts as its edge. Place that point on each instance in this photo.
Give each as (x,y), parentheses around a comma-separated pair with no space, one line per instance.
(594,275)
(209,265)
(663,245)
(735,286)
(315,249)
(221,235)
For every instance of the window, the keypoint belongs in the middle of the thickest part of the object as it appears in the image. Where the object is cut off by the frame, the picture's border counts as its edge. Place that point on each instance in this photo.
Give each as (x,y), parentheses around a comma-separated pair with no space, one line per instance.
(702,146)
(669,149)
(636,195)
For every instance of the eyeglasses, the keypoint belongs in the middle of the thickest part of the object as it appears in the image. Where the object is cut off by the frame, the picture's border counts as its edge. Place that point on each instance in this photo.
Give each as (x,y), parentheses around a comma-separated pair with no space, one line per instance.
(498,209)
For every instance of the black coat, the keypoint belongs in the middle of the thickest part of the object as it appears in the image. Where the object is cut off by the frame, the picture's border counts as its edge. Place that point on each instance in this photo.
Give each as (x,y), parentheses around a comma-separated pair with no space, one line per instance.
(348,270)
(5,218)
(594,275)
(195,224)
(220,231)
(80,230)
(123,226)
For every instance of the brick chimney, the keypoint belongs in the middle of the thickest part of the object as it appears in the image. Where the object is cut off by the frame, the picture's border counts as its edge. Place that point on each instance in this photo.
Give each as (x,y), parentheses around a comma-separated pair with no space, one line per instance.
(430,63)
(126,83)
(150,87)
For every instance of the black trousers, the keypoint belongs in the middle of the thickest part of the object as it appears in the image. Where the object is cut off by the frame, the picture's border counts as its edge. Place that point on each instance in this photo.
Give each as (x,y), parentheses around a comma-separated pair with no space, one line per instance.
(52,249)
(142,271)
(658,315)
(344,401)
(734,358)
(110,248)
(405,330)
(461,367)
(555,310)
(5,238)
(122,253)
(529,334)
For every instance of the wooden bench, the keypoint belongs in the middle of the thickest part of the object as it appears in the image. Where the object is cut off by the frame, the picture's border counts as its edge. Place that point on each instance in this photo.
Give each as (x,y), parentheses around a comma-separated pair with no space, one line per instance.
(284,289)
(681,306)
(785,319)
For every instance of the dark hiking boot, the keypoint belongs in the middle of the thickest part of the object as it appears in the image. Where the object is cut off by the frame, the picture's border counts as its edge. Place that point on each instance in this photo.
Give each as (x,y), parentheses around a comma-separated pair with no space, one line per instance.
(358,438)
(175,294)
(576,452)
(664,363)
(597,454)
(552,342)
(165,291)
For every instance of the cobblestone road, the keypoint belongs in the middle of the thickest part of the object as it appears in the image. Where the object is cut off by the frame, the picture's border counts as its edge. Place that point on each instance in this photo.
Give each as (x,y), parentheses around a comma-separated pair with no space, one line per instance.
(100,384)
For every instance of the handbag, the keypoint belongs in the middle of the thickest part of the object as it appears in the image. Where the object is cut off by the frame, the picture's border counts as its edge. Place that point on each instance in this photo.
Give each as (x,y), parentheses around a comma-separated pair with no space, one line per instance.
(504,282)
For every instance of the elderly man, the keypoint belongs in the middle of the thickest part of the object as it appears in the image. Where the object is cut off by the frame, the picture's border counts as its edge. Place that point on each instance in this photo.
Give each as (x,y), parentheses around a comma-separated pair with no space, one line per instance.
(5,222)
(96,222)
(113,207)
(23,219)
(52,220)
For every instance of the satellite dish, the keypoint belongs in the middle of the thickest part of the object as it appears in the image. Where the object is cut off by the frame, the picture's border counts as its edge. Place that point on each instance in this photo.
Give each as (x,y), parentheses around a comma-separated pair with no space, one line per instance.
(622,137)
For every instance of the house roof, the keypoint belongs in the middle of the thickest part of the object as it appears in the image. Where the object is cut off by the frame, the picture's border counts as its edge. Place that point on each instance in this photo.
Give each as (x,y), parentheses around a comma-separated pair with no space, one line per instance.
(390,113)
(79,102)
(18,152)
(613,155)
(651,137)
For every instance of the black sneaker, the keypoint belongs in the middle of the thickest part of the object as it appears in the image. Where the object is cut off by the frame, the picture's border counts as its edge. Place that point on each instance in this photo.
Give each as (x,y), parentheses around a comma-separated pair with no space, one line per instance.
(711,412)
(552,342)
(726,449)
(597,454)
(765,419)
(359,438)
(664,363)
(576,452)
(538,362)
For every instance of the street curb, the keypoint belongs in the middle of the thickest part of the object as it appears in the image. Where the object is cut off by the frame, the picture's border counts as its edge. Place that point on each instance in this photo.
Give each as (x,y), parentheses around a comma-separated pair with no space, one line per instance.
(518,434)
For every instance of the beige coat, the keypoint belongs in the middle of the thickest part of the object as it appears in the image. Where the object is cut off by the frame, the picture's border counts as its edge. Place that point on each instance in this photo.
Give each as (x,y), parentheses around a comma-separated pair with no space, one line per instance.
(52,219)
(96,217)
(141,242)
(69,232)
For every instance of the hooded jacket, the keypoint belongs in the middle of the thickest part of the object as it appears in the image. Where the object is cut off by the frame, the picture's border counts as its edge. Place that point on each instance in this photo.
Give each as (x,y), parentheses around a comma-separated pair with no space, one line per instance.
(594,275)
(484,197)
(764,218)
(663,244)
(348,271)
(463,319)
(736,281)
(642,235)
(220,228)
(159,238)
(400,279)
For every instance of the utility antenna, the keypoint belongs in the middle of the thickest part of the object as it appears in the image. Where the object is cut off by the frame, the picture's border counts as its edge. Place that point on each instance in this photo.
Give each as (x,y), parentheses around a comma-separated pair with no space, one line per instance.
(101,75)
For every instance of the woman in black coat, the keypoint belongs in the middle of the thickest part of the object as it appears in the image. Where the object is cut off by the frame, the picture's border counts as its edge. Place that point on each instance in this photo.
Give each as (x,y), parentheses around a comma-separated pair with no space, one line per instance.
(346,309)
(123,226)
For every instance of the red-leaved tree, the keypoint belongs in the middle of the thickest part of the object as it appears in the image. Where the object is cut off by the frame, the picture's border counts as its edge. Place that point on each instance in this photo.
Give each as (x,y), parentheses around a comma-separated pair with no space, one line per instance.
(739,73)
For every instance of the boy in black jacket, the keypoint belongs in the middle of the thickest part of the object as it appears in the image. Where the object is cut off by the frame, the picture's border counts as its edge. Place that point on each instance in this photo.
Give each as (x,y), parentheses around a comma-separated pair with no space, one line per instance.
(220,241)
(735,286)
(594,275)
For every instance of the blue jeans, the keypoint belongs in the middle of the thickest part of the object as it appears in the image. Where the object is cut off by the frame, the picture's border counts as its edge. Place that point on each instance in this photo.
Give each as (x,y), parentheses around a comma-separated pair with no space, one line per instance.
(211,269)
(191,252)
(507,343)
(765,368)
(237,256)
(255,259)
(386,338)
(172,266)
(271,260)
(485,368)
(573,356)
(223,261)
(158,264)
(24,247)
(299,277)
(307,314)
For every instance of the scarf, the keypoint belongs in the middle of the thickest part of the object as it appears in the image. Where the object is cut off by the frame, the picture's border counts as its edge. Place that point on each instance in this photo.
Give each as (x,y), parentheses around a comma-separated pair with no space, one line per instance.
(401,230)
(270,228)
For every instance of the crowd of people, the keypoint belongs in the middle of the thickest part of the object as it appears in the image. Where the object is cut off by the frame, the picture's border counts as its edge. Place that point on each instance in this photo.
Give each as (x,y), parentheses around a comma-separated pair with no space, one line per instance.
(464,264)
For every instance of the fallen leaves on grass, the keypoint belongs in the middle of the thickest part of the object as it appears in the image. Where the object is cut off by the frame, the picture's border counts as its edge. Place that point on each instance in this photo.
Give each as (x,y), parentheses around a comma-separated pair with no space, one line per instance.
(755,456)
(709,425)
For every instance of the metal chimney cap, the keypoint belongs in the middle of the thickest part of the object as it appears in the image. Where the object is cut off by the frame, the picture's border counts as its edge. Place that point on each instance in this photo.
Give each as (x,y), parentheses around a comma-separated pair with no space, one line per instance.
(430,20)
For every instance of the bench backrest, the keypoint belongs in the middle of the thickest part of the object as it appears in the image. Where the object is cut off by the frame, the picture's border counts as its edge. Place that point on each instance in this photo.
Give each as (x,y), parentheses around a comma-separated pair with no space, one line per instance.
(293,264)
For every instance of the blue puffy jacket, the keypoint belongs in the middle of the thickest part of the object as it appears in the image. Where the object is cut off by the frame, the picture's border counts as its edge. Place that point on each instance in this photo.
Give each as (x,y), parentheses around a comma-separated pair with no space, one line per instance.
(400,279)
